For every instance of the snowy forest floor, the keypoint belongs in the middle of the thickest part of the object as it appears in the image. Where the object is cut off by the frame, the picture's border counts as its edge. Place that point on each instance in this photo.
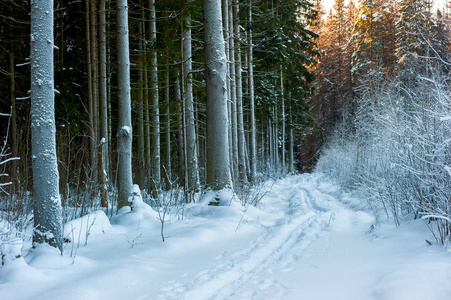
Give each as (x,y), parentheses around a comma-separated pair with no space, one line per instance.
(306,240)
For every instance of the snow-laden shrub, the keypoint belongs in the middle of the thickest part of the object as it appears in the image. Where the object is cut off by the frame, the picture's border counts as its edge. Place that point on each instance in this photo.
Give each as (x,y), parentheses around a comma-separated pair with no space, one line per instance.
(12,217)
(399,152)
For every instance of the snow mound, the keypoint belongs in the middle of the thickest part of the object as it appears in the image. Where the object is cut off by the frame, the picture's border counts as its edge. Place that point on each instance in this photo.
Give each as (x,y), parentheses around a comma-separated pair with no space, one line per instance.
(139,213)
(80,229)
(346,219)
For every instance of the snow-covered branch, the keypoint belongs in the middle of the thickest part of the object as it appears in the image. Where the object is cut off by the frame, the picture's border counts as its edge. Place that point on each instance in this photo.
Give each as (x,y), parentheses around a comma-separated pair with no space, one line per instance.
(8,160)
(426,217)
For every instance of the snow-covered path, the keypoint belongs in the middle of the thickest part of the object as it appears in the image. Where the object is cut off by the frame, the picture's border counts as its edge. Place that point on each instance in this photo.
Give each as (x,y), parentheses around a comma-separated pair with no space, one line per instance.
(322,247)
(307,240)
(303,220)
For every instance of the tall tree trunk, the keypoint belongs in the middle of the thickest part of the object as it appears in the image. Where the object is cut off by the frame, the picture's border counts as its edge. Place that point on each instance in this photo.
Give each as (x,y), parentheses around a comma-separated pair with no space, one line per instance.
(140,172)
(155,115)
(270,144)
(47,203)
(282,100)
(168,171)
(276,136)
(253,137)
(218,171)
(95,90)
(147,129)
(239,96)
(180,135)
(89,79)
(104,137)
(233,96)
(14,132)
(124,135)
(225,25)
(191,142)
(290,138)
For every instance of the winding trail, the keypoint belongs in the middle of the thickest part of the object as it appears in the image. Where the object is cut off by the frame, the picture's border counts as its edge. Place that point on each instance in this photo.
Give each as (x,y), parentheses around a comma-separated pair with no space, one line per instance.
(304,218)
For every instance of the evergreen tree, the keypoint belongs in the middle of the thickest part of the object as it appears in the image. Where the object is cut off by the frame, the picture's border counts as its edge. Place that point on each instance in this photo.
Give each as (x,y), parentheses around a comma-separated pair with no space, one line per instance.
(368,57)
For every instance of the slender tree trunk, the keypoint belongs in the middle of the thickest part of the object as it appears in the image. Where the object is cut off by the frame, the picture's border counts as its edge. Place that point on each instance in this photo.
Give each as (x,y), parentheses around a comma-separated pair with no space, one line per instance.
(276,137)
(239,96)
(271,144)
(180,142)
(183,122)
(104,138)
(108,84)
(140,172)
(124,135)
(233,96)
(47,203)
(14,132)
(95,90)
(155,116)
(225,25)
(147,130)
(168,171)
(282,101)
(89,79)
(290,138)
(191,141)
(253,137)
(218,171)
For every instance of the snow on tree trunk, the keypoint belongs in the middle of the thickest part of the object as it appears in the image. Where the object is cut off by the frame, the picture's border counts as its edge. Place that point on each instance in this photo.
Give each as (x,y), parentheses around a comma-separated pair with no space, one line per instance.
(239,96)
(282,100)
(180,130)
(104,142)
(168,168)
(124,135)
(94,103)
(140,166)
(290,139)
(233,96)
(218,172)
(253,139)
(47,203)
(155,116)
(225,28)
(191,143)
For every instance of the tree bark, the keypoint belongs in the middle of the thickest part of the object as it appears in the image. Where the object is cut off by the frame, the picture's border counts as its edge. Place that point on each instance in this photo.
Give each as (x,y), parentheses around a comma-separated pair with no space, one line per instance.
(95,90)
(147,129)
(168,171)
(218,171)
(225,25)
(233,96)
(124,136)
(290,139)
(14,132)
(104,137)
(282,100)
(155,110)
(191,142)
(180,135)
(140,172)
(239,96)
(253,137)
(47,203)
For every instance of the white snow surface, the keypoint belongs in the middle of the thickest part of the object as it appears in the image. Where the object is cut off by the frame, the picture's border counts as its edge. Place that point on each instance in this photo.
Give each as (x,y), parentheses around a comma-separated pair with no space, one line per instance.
(306,240)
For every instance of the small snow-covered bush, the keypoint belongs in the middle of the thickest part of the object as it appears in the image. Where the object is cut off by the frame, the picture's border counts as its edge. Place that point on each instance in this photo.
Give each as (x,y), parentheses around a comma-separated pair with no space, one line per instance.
(12,217)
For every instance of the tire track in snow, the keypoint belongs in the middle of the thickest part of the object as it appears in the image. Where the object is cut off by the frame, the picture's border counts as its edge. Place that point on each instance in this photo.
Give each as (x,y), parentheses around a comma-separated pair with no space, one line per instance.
(301,226)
